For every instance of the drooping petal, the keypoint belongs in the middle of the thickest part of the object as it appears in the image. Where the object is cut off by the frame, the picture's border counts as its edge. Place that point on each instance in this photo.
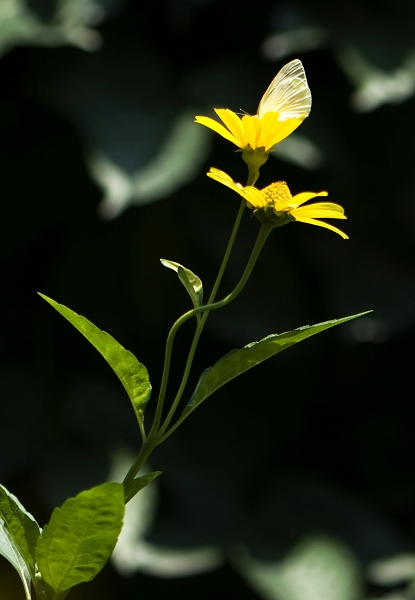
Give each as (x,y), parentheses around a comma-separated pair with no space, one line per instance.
(299,199)
(212,124)
(233,123)
(224,179)
(320,210)
(254,197)
(325,225)
(216,173)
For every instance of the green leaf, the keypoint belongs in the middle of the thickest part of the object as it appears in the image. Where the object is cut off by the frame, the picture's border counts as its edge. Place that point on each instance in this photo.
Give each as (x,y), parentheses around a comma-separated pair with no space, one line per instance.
(139,483)
(239,361)
(191,282)
(44,591)
(9,550)
(81,536)
(21,527)
(132,374)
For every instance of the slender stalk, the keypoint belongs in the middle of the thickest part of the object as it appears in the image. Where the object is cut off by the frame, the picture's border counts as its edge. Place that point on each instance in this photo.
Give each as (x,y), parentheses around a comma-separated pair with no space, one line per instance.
(263,234)
(202,321)
(151,441)
(199,329)
(226,256)
(142,429)
(155,437)
(252,177)
(146,449)
(175,426)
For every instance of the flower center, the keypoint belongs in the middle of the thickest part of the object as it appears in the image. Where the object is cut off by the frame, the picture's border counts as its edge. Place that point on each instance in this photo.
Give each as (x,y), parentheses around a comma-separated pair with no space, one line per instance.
(278,194)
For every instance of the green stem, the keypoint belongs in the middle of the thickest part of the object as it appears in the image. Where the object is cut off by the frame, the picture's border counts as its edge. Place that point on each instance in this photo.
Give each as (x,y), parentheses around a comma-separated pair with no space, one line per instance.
(146,449)
(156,436)
(226,256)
(200,325)
(202,321)
(263,234)
(252,177)
(142,429)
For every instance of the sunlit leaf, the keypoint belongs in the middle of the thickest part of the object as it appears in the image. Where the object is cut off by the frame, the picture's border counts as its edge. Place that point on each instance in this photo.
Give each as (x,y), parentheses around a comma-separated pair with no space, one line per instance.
(132,374)
(191,282)
(44,591)
(139,483)
(81,536)
(21,527)
(9,550)
(239,361)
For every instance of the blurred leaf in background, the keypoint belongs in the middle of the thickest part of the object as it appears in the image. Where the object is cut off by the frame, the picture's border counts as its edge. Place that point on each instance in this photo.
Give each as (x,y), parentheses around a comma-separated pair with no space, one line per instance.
(43,23)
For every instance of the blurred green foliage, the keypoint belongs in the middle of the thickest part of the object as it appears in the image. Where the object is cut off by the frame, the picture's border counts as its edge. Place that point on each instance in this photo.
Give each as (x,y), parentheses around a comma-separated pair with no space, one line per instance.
(102,174)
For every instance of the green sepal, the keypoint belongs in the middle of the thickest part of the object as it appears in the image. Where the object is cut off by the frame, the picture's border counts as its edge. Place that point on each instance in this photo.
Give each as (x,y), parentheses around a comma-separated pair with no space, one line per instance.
(138,484)
(267,214)
(81,536)
(132,374)
(238,361)
(19,533)
(191,282)
(254,159)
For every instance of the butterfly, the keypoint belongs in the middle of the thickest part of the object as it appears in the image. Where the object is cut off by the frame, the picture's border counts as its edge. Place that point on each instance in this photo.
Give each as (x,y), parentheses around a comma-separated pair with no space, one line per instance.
(288,93)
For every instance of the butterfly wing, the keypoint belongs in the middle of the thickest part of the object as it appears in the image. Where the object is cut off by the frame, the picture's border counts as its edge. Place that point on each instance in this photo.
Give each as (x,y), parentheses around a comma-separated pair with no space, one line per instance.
(288,93)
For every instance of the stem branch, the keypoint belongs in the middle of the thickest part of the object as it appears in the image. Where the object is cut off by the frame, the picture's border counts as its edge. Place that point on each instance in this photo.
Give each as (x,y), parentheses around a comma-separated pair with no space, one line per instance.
(263,234)
(146,449)
(199,329)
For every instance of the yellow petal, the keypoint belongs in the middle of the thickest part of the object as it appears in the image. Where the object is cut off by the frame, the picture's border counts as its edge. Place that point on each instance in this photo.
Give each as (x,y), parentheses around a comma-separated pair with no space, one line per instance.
(299,199)
(255,197)
(218,174)
(224,179)
(212,124)
(269,125)
(233,123)
(284,129)
(320,210)
(251,127)
(323,224)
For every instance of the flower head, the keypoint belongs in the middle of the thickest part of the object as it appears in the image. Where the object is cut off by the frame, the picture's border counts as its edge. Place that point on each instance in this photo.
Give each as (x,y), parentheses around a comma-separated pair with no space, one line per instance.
(283,107)
(275,203)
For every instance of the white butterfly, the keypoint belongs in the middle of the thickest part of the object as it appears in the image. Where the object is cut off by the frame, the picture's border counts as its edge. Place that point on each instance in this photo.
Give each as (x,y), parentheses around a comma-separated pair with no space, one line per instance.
(288,93)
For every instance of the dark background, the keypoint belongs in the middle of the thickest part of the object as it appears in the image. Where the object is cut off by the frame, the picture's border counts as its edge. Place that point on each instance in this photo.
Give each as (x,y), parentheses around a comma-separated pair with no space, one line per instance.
(318,441)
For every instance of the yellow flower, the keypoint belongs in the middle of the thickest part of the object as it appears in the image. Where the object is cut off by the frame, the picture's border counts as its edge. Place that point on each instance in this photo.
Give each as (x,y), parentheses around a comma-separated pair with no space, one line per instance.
(276,203)
(283,107)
